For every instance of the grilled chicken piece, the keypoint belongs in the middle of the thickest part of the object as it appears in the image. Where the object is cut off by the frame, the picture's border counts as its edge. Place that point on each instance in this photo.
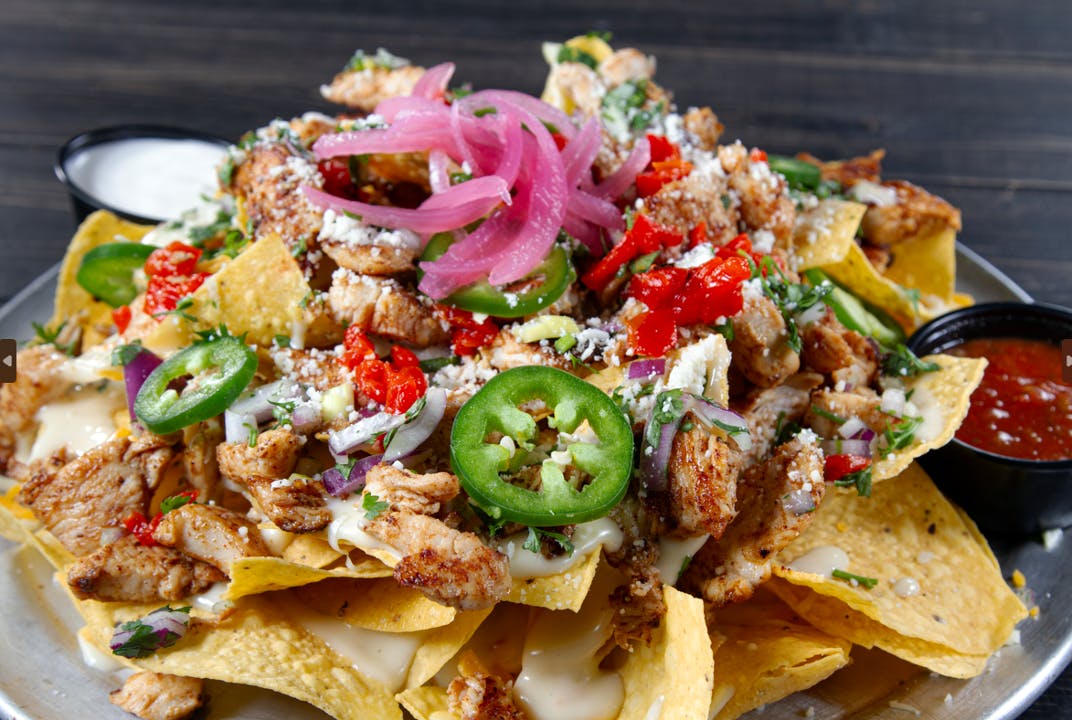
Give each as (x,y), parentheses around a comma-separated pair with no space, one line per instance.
(862,403)
(774,500)
(916,211)
(703,125)
(505,351)
(269,183)
(638,603)
(382,306)
(369,259)
(764,196)
(36,384)
(845,356)
(760,344)
(768,409)
(625,65)
(851,171)
(696,199)
(409,492)
(318,368)
(199,457)
(703,481)
(451,567)
(294,504)
(479,696)
(273,456)
(575,86)
(97,490)
(210,533)
(365,89)
(127,571)
(155,696)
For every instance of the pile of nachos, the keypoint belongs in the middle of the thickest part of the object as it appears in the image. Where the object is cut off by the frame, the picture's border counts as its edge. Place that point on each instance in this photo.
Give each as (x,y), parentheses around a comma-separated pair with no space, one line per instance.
(465,403)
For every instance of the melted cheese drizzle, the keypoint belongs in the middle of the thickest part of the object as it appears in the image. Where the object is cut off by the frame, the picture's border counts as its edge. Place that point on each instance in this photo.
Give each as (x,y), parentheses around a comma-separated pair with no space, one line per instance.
(96,658)
(672,554)
(349,524)
(823,560)
(587,537)
(384,657)
(560,676)
(81,420)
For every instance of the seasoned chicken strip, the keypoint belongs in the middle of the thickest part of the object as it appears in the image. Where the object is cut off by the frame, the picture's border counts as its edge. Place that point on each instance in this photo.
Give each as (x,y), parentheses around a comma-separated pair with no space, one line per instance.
(382,306)
(410,492)
(862,403)
(36,384)
(479,696)
(916,211)
(273,456)
(768,409)
(703,481)
(365,89)
(199,457)
(210,533)
(127,571)
(704,127)
(760,344)
(295,504)
(155,696)
(770,498)
(696,199)
(846,356)
(451,567)
(763,195)
(97,490)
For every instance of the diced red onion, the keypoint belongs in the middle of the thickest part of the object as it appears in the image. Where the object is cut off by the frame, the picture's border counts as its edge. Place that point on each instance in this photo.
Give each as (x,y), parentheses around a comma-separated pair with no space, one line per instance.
(237,426)
(623,177)
(851,427)
(134,374)
(341,442)
(867,435)
(168,626)
(433,84)
(712,414)
(340,486)
(644,369)
(256,403)
(847,447)
(655,460)
(306,417)
(410,436)
(799,502)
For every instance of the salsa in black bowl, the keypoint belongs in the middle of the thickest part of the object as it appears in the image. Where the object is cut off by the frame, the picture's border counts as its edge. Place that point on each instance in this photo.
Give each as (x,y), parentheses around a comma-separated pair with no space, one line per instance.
(1010,464)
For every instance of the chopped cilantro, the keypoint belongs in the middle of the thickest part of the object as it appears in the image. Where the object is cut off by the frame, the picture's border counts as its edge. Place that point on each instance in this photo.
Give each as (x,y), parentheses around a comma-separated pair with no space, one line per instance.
(226,171)
(456,178)
(725,329)
(180,310)
(644,262)
(789,297)
(902,362)
(174,502)
(49,336)
(565,343)
(200,234)
(282,341)
(623,108)
(900,433)
(372,506)
(382,59)
(867,582)
(140,638)
(252,440)
(481,112)
(861,480)
(300,248)
(431,365)
(536,536)
(604,35)
(282,410)
(572,54)
(685,562)
(823,413)
(785,431)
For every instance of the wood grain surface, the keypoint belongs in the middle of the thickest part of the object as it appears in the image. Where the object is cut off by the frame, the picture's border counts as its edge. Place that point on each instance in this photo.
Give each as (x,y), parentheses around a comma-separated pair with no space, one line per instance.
(971,98)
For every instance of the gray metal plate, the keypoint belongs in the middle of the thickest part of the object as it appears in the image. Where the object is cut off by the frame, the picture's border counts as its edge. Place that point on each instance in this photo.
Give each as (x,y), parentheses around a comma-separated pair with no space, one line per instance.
(42,676)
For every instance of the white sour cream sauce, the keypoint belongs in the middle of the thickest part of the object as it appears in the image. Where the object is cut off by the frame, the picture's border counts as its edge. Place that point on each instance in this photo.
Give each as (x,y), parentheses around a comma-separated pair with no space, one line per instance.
(81,420)
(152,177)
(672,554)
(823,560)
(587,537)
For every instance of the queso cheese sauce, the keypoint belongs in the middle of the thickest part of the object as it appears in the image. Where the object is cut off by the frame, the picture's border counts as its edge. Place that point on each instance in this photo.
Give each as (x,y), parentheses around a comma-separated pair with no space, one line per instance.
(1022,409)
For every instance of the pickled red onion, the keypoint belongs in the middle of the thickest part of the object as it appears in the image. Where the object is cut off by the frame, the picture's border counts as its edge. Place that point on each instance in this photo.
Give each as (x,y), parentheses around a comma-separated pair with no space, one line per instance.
(433,84)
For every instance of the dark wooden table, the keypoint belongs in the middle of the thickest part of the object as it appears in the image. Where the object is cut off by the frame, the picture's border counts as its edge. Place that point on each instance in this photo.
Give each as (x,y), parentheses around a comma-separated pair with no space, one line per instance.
(971,98)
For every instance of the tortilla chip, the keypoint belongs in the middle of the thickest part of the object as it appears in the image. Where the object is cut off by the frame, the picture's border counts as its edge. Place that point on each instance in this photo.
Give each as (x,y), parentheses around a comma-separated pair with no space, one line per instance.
(440,645)
(16,522)
(943,398)
(963,611)
(927,262)
(311,551)
(260,294)
(823,235)
(255,575)
(426,703)
(565,591)
(71,300)
(673,676)
(767,653)
(375,604)
(259,644)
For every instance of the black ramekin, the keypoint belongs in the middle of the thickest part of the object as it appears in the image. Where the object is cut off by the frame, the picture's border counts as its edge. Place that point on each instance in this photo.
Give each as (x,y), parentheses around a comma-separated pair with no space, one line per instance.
(84,202)
(1002,494)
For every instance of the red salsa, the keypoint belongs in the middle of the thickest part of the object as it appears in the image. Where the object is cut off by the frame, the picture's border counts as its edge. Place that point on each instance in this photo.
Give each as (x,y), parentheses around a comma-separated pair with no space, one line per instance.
(1022,409)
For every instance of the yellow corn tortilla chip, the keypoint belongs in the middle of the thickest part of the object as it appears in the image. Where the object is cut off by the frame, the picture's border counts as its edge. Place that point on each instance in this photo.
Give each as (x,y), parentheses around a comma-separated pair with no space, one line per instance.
(375,604)
(16,522)
(310,550)
(426,703)
(908,532)
(441,644)
(259,644)
(671,678)
(765,652)
(255,575)
(259,293)
(927,262)
(565,591)
(943,398)
(71,300)
(823,235)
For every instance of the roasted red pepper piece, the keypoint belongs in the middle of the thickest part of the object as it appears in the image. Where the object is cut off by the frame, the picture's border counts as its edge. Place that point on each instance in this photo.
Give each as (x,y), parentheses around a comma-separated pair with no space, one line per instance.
(176,259)
(643,238)
(838,466)
(121,317)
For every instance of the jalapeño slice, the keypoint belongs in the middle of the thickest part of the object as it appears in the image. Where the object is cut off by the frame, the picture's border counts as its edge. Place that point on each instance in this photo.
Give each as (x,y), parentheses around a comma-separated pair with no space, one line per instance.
(215,373)
(107,271)
(540,288)
(484,466)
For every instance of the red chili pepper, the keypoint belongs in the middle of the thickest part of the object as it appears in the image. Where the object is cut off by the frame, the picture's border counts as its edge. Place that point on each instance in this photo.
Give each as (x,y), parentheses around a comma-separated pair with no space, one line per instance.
(177,259)
(757,155)
(838,466)
(121,317)
(643,238)
(164,293)
(141,527)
